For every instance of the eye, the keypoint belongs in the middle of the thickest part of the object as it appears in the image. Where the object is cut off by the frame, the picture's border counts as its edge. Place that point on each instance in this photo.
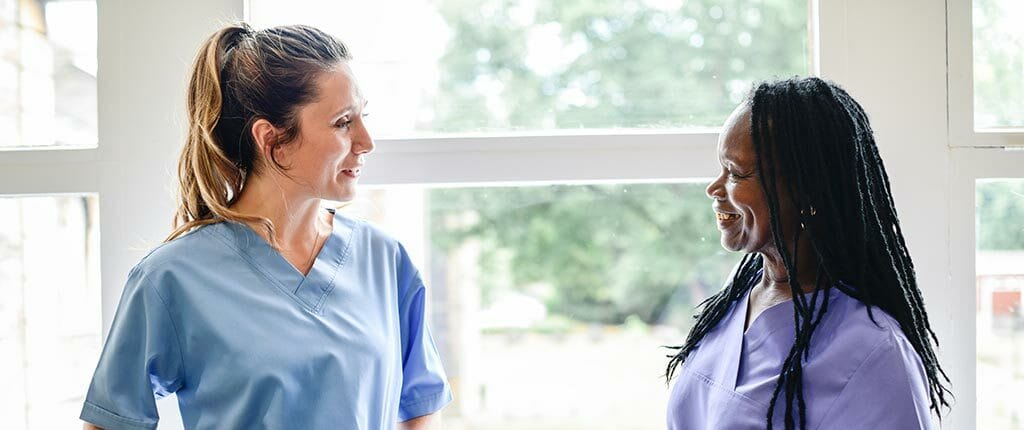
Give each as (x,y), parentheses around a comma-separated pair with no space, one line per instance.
(736,176)
(343,124)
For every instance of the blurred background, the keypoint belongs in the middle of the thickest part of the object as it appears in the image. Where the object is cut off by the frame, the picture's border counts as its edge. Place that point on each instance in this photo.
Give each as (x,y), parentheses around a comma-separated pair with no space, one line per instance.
(552,302)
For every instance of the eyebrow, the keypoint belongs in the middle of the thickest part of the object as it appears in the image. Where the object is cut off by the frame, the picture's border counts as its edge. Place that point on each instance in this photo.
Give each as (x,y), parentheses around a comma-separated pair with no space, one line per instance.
(723,160)
(348,109)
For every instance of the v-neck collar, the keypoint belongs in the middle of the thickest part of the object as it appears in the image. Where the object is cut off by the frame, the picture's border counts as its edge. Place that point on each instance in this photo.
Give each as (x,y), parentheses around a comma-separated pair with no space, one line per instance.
(310,290)
(778,316)
(774,318)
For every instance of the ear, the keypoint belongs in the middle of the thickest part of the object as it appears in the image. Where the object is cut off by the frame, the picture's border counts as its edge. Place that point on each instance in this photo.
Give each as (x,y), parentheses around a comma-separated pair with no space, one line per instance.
(264,135)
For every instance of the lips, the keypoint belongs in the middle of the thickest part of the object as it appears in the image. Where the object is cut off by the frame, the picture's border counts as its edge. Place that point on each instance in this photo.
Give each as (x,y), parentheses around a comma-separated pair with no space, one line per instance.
(722,215)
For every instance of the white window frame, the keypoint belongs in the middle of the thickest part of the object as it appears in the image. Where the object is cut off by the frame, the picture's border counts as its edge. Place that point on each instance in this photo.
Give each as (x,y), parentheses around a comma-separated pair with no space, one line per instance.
(961,86)
(891,56)
(974,155)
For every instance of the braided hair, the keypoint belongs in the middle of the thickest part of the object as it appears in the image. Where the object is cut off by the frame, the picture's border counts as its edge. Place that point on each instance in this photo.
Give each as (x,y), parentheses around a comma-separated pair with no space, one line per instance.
(812,136)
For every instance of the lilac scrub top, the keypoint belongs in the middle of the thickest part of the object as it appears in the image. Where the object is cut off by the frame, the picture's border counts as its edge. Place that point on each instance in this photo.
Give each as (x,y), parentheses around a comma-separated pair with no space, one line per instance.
(858,375)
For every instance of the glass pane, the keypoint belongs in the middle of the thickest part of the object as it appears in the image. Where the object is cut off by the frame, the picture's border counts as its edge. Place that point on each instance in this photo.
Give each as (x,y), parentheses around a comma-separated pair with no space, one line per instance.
(50,323)
(47,73)
(998,63)
(521,65)
(537,289)
(1000,283)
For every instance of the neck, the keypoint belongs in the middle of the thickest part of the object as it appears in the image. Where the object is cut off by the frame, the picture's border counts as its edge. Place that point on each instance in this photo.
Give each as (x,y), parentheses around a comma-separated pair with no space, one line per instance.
(777,279)
(297,218)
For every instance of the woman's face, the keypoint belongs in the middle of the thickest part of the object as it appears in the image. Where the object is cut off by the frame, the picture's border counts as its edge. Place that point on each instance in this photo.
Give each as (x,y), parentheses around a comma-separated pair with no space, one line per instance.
(328,154)
(738,200)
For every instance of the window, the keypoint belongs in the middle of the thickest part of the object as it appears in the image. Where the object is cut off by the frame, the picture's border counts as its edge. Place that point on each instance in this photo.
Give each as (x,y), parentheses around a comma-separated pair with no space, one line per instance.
(511,66)
(48,73)
(50,328)
(998,64)
(588,279)
(1000,285)
(984,45)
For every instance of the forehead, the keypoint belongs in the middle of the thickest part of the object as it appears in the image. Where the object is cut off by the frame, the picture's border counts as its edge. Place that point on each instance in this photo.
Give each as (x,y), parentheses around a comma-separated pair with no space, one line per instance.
(735,143)
(336,90)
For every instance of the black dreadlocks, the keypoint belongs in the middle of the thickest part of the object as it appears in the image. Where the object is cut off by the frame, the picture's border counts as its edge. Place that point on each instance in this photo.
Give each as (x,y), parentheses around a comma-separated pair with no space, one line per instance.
(815,138)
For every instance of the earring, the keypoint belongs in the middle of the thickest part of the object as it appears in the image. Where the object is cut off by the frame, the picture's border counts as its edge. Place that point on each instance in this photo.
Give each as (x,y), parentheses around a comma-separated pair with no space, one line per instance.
(803,214)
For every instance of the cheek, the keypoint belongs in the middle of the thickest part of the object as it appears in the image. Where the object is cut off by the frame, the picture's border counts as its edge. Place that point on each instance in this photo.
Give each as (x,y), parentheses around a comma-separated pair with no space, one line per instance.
(330,152)
(749,201)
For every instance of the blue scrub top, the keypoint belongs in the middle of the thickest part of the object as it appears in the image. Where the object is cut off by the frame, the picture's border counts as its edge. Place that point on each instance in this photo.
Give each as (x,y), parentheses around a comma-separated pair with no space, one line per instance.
(246,341)
(858,374)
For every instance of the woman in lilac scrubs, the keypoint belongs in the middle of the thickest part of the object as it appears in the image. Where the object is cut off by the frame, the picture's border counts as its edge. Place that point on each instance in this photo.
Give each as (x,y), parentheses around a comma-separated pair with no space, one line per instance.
(822,324)
(263,309)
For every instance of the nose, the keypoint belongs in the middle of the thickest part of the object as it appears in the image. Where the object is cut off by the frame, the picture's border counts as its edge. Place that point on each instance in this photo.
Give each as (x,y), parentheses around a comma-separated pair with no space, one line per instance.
(362,143)
(715,190)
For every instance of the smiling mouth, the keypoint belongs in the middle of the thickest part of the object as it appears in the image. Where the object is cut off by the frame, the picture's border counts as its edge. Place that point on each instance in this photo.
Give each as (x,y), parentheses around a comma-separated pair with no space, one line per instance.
(726,217)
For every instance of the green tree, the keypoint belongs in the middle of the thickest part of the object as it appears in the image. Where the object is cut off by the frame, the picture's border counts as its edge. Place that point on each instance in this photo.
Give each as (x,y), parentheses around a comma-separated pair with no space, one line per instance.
(998,65)
(609,251)
(1000,215)
(618,63)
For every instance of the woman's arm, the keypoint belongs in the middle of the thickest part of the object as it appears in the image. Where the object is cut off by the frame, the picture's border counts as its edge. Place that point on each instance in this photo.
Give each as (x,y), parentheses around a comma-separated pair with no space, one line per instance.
(89,426)
(418,423)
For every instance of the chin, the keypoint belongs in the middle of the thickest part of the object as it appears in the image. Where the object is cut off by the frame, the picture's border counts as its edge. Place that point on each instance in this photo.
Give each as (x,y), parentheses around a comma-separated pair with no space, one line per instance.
(732,246)
(341,195)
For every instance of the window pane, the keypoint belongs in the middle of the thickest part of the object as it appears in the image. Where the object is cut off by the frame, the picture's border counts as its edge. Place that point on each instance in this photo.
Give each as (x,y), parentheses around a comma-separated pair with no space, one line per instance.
(545,296)
(50,323)
(47,73)
(998,63)
(1000,283)
(504,65)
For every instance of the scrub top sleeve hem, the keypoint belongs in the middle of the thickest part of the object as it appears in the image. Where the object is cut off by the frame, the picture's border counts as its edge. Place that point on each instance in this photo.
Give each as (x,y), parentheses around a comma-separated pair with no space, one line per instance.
(423,405)
(107,420)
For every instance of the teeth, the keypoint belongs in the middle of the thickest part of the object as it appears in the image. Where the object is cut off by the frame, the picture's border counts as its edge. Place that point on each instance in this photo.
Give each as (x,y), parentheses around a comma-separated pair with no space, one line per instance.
(725,217)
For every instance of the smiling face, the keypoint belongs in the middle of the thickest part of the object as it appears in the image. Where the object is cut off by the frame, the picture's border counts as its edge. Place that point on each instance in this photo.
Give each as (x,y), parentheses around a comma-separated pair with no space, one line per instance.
(739,201)
(328,154)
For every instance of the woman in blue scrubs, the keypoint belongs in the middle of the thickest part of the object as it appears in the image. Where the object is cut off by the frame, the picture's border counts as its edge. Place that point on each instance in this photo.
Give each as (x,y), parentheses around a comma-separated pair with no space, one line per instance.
(262,309)
(822,324)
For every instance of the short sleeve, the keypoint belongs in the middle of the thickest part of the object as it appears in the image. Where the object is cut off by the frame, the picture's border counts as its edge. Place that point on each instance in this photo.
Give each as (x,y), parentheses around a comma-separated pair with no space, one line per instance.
(888,391)
(141,361)
(425,388)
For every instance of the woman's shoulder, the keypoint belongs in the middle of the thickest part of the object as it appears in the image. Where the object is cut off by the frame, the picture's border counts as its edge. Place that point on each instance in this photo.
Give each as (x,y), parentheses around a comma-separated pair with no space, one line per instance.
(196,247)
(375,243)
(887,369)
(875,332)
(366,233)
(871,323)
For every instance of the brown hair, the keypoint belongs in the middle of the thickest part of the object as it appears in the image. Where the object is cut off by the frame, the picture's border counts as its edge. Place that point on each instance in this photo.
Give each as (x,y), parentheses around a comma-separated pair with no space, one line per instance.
(239,76)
